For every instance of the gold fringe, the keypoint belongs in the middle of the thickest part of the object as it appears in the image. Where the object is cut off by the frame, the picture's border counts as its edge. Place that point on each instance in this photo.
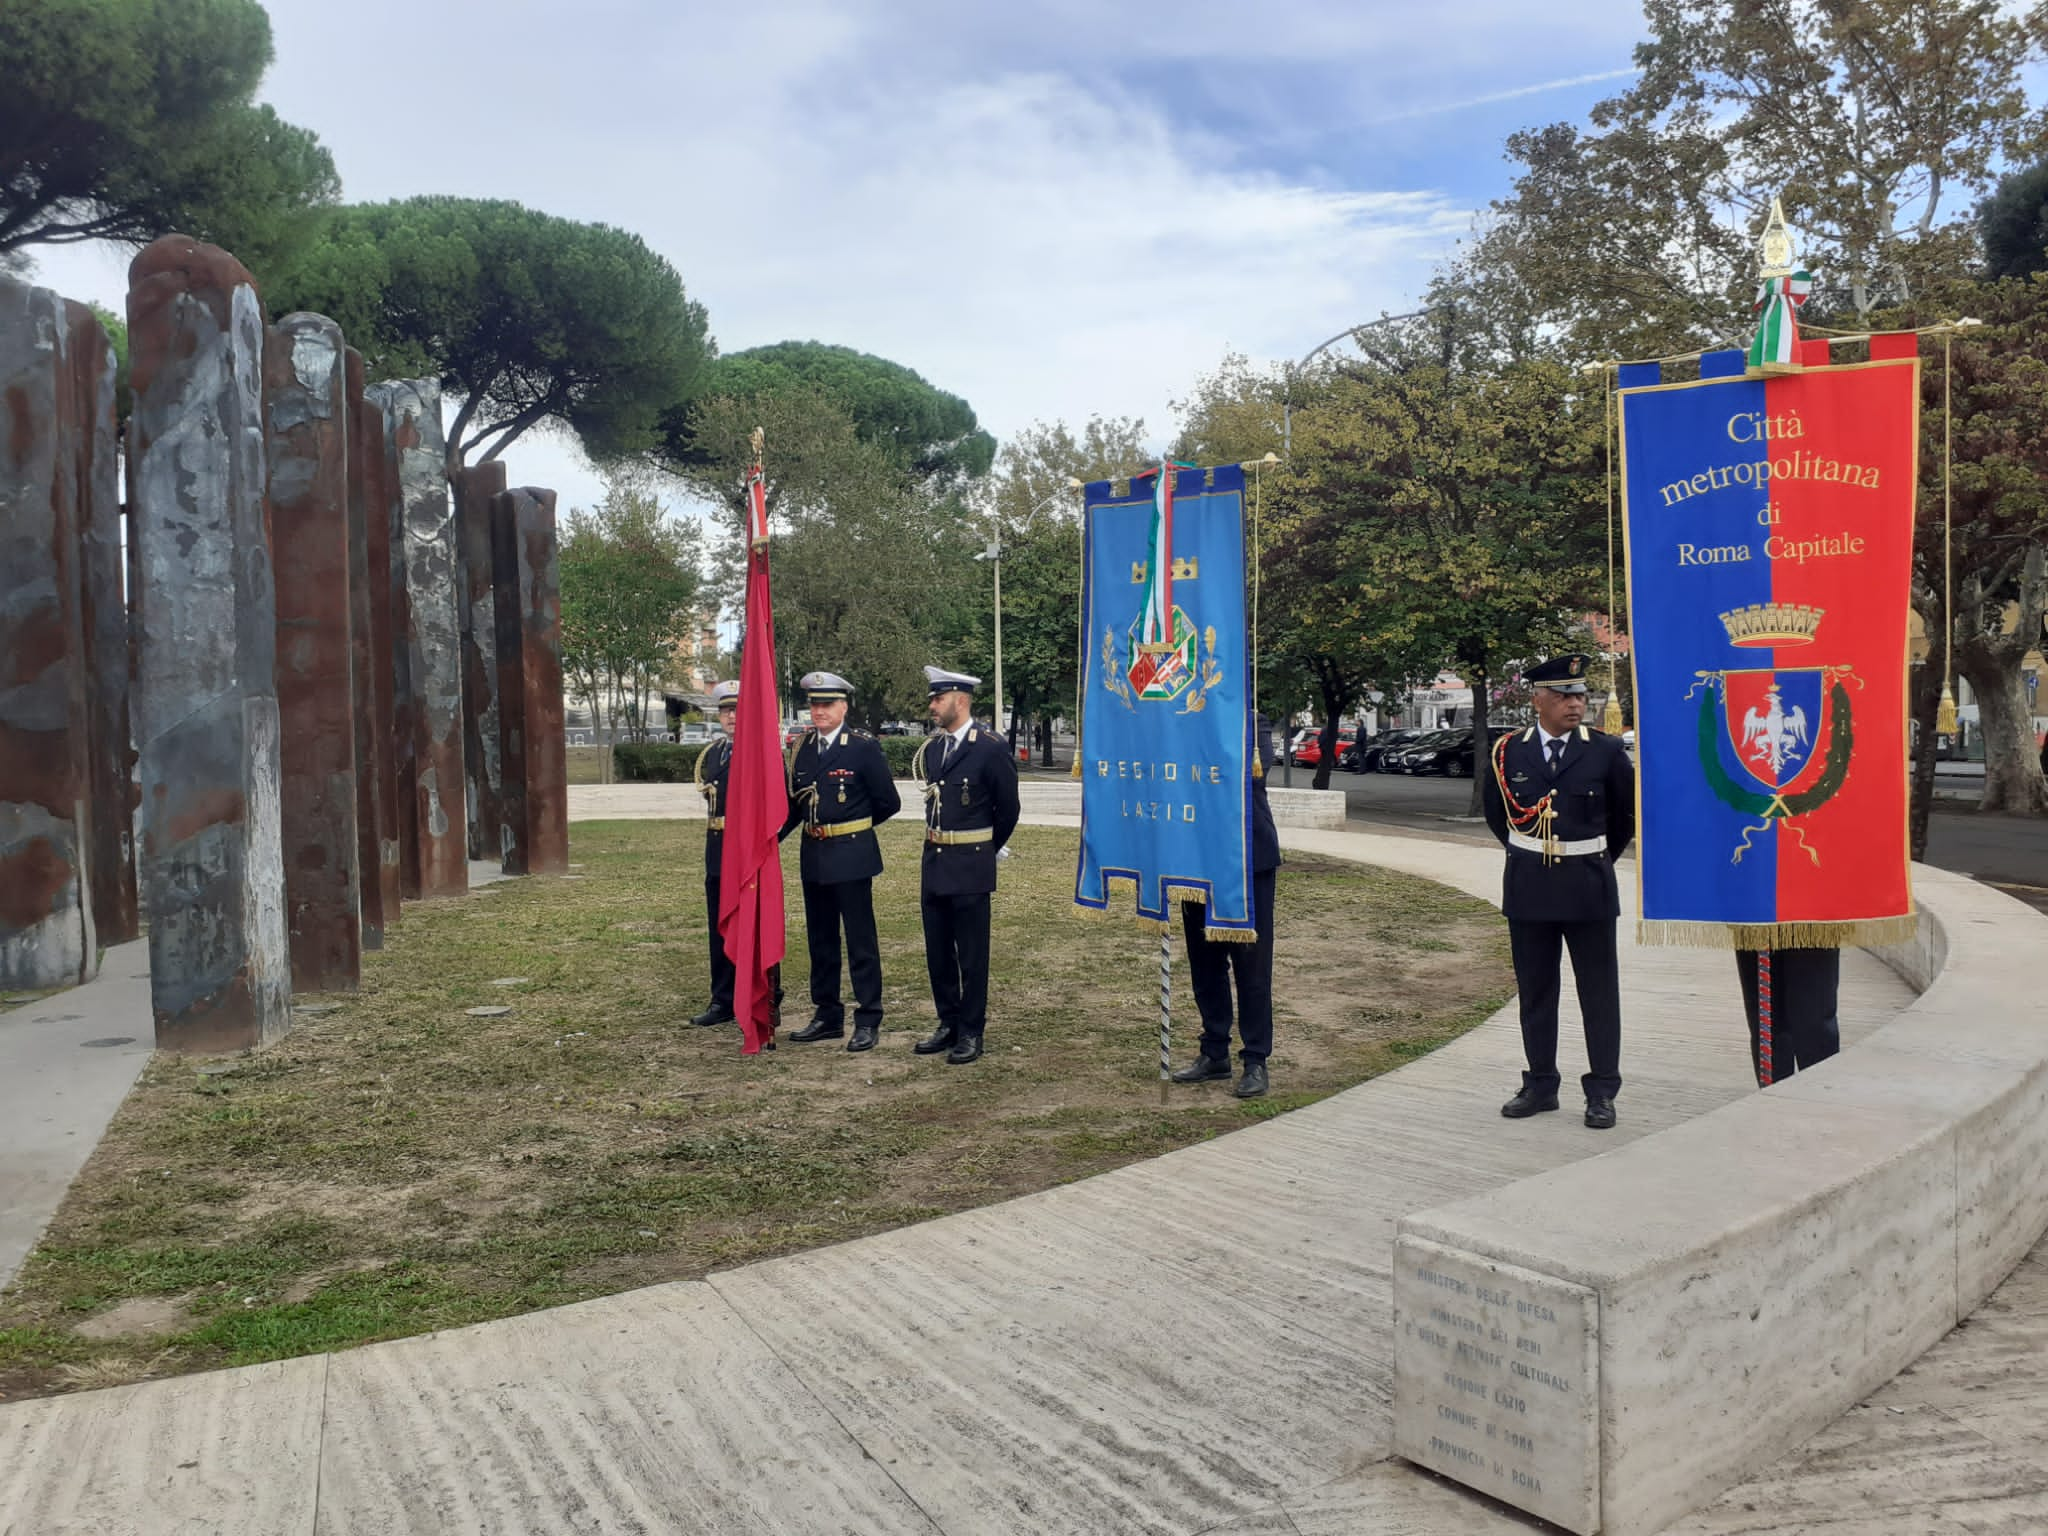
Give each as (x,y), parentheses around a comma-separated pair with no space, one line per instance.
(1176,896)
(1859,933)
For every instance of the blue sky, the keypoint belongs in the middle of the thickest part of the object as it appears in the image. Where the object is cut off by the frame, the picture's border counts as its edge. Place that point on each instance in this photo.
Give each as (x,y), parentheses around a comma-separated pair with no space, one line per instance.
(1054,209)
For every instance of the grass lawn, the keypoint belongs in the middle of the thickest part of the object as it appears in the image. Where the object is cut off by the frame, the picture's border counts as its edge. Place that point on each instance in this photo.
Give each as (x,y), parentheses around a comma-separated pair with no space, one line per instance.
(397,1165)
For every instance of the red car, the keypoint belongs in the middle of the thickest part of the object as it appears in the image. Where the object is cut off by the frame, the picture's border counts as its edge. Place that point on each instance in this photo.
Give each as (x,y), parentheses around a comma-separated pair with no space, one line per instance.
(1310,752)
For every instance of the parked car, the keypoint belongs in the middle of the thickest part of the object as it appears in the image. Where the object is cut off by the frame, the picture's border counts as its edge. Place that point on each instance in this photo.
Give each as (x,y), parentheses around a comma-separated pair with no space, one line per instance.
(694,733)
(895,728)
(1422,755)
(1448,752)
(1310,753)
(1366,755)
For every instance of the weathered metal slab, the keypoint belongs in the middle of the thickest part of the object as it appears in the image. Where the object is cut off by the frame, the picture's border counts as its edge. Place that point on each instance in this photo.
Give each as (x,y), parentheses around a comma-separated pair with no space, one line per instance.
(535,826)
(474,488)
(104,621)
(365,725)
(205,705)
(433,643)
(385,719)
(404,712)
(46,910)
(305,411)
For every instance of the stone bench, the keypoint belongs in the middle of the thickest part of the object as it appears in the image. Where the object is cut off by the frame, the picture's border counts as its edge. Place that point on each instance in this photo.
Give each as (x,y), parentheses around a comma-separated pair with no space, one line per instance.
(1613,1343)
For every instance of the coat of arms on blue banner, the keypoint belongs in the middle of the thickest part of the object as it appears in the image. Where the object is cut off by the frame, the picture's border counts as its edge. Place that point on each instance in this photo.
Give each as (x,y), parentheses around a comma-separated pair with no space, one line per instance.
(1166,721)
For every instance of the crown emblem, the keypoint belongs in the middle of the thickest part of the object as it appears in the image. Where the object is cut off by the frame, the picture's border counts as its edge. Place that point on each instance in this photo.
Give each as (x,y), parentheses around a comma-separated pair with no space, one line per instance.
(1762,624)
(1183,570)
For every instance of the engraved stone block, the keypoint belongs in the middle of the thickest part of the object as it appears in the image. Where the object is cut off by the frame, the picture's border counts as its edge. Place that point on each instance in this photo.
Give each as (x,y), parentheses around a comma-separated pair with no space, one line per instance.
(1496,1380)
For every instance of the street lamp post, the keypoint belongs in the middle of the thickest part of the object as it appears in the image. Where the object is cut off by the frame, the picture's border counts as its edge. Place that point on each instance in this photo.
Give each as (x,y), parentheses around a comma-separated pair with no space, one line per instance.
(1294,370)
(994,555)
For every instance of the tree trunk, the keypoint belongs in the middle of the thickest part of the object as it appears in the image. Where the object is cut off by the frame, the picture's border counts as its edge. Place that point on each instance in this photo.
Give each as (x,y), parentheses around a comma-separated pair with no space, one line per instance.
(1480,690)
(1925,695)
(1333,706)
(2012,767)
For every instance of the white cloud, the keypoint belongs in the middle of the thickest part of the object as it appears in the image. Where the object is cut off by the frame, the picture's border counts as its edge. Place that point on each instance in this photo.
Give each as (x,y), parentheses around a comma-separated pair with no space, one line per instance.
(1037,207)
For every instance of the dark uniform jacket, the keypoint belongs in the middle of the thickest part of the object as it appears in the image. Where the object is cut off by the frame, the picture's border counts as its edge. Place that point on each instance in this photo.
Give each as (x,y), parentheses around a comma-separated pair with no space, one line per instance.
(977,788)
(1265,836)
(850,782)
(713,764)
(1595,796)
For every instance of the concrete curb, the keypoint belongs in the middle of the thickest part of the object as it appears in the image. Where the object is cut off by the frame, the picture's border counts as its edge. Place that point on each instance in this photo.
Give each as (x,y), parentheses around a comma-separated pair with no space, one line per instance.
(1757,1271)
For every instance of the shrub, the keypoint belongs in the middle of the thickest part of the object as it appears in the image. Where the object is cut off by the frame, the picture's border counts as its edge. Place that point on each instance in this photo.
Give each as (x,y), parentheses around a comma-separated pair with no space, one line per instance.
(654,762)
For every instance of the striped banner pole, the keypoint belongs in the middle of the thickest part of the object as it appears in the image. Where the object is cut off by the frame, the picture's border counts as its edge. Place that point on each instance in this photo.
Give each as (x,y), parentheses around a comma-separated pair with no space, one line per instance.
(1165,1004)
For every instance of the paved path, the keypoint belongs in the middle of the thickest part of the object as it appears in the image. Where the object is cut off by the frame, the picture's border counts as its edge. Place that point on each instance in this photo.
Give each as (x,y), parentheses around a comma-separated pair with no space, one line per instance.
(1200,1343)
(66,1063)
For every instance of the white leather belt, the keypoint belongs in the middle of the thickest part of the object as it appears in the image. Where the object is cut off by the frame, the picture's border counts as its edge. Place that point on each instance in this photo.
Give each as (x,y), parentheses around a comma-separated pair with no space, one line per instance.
(1528,844)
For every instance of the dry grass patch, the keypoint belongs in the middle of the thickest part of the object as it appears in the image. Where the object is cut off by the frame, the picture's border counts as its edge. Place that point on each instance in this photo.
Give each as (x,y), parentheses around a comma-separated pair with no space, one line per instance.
(397,1165)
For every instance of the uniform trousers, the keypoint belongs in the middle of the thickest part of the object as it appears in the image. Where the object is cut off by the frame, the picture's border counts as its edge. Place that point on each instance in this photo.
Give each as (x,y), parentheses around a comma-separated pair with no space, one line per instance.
(956,954)
(1537,949)
(1212,967)
(1804,1026)
(850,903)
(722,973)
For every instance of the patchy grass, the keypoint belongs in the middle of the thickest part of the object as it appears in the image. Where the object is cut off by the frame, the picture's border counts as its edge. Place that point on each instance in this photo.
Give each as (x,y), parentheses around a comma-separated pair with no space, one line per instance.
(397,1165)
(586,764)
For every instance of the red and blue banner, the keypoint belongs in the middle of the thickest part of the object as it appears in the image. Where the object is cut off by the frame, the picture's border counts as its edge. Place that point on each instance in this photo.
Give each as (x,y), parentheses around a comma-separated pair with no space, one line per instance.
(1769,535)
(1166,718)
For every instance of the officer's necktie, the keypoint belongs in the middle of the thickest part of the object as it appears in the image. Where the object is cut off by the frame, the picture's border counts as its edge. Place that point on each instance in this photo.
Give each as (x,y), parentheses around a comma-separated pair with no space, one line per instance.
(1556,747)
(946,751)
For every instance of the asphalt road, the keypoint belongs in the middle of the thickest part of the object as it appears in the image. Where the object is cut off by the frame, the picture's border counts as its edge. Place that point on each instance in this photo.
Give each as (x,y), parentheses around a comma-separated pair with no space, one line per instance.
(2010,852)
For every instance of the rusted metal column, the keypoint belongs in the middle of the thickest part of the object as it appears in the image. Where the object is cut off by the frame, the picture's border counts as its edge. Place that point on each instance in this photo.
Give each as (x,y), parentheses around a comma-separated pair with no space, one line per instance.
(398,651)
(104,619)
(474,488)
(205,703)
(413,409)
(46,918)
(369,604)
(306,413)
(529,630)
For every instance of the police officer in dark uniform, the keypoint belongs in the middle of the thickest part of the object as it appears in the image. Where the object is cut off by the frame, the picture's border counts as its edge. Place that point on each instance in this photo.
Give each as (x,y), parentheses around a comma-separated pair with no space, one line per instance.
(713,764)
(970,810)
(840,791)
(1805,1027)
(1562,799)
(1212,966)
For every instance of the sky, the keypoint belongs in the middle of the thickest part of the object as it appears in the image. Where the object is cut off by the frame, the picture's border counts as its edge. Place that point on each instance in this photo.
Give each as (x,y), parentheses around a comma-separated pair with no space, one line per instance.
(1055,209)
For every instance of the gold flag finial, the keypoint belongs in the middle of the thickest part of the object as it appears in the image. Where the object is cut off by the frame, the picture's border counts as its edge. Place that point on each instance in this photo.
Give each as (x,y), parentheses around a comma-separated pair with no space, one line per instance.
(757,437)
(1774,250)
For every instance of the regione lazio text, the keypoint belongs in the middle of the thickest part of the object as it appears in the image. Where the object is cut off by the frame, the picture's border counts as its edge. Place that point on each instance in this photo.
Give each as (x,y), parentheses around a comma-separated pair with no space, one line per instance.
(1166,718)
(1769,543)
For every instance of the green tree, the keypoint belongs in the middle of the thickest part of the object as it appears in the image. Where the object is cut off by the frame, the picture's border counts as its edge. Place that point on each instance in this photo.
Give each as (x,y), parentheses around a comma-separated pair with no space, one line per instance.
(1999,495)
(524,317)
(1875,120)
(2013,224)
(872,569)
(630,586)
(1033,514)
(127,119)
(931,436)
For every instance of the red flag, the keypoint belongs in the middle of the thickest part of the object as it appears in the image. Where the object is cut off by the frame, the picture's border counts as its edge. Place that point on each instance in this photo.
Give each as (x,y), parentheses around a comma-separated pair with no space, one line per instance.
(756,803)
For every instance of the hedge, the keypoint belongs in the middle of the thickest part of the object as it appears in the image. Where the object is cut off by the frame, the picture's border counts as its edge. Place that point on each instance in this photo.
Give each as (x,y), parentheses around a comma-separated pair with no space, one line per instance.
(667,762)
(655,762)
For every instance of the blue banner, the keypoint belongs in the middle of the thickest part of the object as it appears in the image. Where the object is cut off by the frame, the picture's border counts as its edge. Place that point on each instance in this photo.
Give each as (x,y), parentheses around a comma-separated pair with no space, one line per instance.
(1166,720)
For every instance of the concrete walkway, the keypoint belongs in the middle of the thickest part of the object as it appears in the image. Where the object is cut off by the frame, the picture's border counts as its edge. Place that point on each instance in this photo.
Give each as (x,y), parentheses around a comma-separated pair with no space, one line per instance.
(1200,1343)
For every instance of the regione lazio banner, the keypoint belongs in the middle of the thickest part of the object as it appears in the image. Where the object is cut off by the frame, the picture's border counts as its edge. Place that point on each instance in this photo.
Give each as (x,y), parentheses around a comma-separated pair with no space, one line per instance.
(1166,724)
(1769,544)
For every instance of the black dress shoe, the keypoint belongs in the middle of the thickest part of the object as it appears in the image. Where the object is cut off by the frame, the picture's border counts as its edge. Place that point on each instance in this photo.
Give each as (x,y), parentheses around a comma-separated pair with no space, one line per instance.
(1253,1083)
(1599,1114)
(1528,1102)
(940,1039)
(818,1029)
(863,1037)
(964,1051)
(1202,1069)
(712,1015)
